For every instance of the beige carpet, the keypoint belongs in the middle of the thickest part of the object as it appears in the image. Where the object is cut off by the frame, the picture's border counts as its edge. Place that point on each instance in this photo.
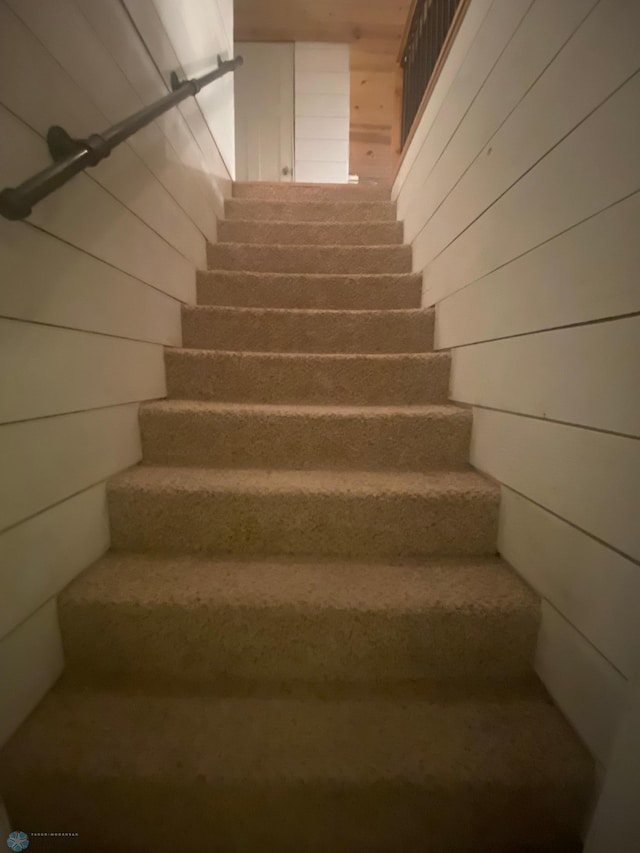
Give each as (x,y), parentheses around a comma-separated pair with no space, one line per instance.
(303,640)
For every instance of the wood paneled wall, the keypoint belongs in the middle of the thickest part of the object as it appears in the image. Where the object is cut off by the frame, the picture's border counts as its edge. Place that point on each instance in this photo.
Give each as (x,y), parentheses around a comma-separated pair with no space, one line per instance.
(373,103)
(520,194)
(91,285)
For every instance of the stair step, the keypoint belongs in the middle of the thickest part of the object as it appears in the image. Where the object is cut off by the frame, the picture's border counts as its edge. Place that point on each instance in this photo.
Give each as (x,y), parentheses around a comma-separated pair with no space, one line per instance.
(307,378)
(281,775)
(310,192)
(309,259)
(305,233)
(228,435)
(288,290)
(303,330)
(198,621)
(310,211)
(344,514)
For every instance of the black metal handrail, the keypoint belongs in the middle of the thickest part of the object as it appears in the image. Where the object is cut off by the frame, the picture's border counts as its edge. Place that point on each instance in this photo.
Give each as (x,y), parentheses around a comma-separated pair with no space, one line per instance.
(427,34)
(72,156)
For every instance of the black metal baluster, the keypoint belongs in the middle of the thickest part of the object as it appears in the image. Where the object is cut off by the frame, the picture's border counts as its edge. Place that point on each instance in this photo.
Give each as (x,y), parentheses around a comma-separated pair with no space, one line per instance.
(433,39)
(430,25)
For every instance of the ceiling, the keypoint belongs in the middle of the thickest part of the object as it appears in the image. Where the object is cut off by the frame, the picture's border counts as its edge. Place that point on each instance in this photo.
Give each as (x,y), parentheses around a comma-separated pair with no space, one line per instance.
(373,27)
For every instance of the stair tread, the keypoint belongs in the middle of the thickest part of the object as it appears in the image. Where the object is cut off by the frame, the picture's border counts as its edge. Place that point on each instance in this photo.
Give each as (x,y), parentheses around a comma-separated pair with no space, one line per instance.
(479,584)
(287,741)
(310,257)
(294,210)
(253,435)
(360,514)
(298,622)
(366,223)
(443,355)
(243,376)
(204,407)
(305,191)
(313,290)
(351,313)
(319,277)
(291,199)
(399,248)
(437,484)
(307,330)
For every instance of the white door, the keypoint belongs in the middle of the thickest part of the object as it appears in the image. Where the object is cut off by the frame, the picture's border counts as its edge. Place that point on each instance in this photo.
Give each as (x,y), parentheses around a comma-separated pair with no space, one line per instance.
(264,112)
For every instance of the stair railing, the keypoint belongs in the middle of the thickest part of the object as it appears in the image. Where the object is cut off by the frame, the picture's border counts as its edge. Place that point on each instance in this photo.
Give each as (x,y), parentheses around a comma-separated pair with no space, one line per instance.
(72,156)
(429,33)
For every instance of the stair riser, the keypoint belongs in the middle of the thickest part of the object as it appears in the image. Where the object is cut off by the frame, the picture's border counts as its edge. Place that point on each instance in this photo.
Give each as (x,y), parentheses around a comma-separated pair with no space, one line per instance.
(234,440)
(343,260)
(318,211)
(320,234)
(198,375)
(302,524)
(262,331)
(205,645)
(310,192)
(297,291)
(193,815)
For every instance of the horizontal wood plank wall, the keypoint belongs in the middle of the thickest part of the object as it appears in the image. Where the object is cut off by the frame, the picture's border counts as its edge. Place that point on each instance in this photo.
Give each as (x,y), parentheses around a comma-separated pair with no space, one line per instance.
(31,658)
(616,823)
(520,194)
(91,285)
(5,826)
(197,34)
(321,73)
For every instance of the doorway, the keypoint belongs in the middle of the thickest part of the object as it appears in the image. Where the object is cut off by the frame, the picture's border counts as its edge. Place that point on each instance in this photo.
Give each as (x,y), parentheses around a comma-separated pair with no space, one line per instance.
(264,87)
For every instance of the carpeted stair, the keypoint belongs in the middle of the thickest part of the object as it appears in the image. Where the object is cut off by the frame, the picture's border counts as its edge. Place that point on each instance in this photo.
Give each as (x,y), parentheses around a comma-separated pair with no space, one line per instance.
(302,639)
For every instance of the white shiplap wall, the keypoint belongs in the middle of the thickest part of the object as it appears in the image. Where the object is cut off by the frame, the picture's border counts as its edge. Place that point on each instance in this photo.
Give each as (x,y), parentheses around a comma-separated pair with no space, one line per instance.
(520,195)
(91,285)
(322,82)
(616,823)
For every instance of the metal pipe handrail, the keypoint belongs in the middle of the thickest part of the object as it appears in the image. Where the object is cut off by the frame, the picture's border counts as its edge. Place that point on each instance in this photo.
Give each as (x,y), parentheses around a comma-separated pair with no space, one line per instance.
(72,156)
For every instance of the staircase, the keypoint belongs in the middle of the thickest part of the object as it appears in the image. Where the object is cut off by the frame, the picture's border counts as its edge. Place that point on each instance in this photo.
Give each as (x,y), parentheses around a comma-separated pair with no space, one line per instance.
(303,640)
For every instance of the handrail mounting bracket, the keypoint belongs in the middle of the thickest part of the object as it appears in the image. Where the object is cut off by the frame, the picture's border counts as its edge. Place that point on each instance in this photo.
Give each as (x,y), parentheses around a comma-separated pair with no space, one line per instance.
(61,145)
